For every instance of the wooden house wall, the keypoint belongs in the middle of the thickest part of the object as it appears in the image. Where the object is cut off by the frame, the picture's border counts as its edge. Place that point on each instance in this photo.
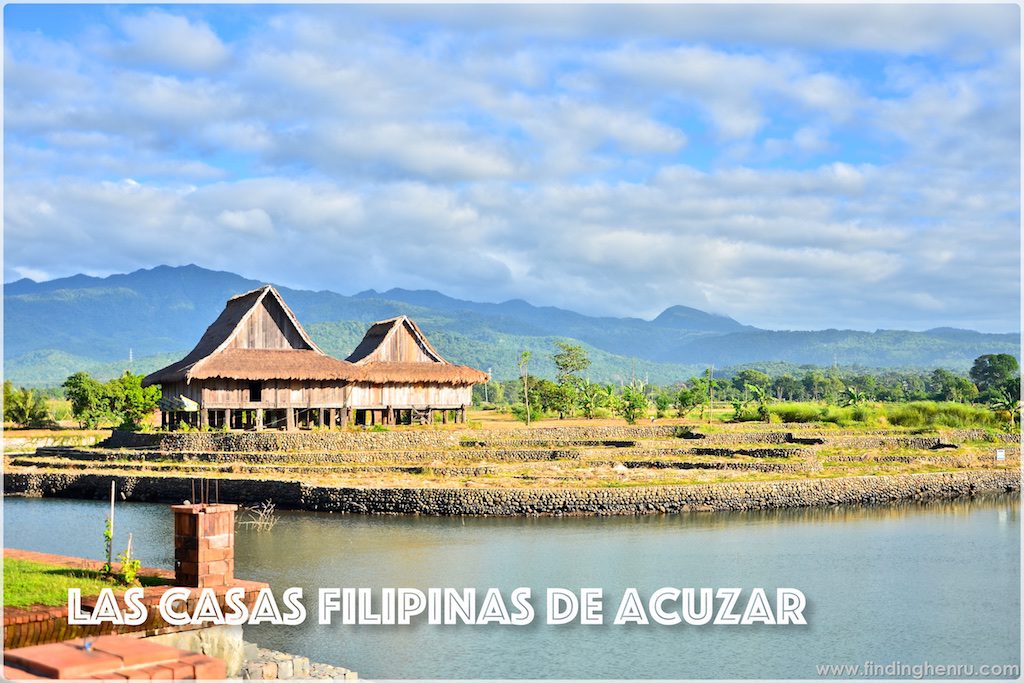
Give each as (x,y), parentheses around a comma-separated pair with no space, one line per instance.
(268,328)
(403,395)
(191,391)
(225,393)
(401,347)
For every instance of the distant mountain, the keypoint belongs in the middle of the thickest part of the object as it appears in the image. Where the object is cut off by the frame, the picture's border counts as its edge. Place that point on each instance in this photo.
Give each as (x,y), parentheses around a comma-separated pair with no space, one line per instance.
(686,318)
(56,327)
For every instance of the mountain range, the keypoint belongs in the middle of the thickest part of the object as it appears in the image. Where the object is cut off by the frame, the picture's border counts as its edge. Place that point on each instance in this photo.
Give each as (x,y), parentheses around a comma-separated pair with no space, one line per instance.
(154,316)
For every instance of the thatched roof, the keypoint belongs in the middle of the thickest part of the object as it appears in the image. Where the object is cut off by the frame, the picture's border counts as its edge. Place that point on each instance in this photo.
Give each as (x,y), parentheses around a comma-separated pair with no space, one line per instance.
(374,355)
(216,356)
(253,364)
(212,356)
(430,373)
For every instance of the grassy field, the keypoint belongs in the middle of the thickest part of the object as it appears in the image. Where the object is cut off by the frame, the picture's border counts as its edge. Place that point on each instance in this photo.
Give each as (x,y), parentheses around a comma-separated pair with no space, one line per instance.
(509,459)
(34,583)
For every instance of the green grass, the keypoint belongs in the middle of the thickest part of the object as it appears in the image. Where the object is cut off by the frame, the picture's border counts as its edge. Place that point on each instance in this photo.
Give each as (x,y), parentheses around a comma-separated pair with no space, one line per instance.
(916,415)
(933,414)
(34,583)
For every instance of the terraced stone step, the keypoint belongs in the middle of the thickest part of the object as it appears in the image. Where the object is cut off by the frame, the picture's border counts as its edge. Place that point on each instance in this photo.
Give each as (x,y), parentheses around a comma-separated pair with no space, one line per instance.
(547,443)
(312,457)
(261,470)
(706,465)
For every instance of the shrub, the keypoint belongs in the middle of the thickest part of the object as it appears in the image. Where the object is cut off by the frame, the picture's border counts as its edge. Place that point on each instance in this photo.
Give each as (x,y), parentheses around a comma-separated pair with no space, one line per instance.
(797,412)
(519,411)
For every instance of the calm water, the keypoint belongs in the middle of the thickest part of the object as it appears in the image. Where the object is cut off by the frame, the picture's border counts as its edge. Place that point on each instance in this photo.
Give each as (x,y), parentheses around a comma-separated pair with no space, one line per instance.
(937,583)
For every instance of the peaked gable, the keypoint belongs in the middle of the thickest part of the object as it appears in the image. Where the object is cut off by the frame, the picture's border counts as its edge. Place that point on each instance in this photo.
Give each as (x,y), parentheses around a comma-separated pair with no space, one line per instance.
(256,320)
(396,340)
(269,324)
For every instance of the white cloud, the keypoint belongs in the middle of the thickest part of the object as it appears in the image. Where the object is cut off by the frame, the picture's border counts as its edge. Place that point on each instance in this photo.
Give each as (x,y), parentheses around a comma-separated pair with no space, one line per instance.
(253,222)
(619,162)
(164,39)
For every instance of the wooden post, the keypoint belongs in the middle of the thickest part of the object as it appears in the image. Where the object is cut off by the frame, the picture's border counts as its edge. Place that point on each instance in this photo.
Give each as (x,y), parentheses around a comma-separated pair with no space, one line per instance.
(110,549)
(202,417)
(289,420)
(444,416)
(259,419)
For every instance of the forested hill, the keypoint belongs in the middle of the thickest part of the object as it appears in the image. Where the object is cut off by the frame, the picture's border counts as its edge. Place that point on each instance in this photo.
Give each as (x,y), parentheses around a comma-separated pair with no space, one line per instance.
(54,328)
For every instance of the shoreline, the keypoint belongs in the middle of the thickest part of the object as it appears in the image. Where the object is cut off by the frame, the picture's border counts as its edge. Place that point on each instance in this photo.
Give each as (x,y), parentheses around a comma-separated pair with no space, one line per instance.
(726,496)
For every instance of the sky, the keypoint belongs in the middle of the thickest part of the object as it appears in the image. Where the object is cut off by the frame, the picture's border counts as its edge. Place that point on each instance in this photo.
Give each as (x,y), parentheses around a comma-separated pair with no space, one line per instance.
(792,166)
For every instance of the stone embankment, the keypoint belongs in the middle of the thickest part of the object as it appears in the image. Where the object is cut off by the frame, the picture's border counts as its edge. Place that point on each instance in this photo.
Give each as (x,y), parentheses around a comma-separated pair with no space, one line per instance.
(549,437)
(262,664)
(605,501)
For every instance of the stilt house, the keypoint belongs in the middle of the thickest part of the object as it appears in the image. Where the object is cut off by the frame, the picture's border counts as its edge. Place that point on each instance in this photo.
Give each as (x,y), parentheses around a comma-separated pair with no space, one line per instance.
(256,368)
(404,379)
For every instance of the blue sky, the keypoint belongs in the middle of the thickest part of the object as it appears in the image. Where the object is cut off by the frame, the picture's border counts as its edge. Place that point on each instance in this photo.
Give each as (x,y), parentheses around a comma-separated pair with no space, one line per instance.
(793,166)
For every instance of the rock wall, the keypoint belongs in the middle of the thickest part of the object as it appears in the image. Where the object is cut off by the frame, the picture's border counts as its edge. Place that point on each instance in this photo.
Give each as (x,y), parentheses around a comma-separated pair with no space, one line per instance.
(522,438)
(605,501)
(368,440)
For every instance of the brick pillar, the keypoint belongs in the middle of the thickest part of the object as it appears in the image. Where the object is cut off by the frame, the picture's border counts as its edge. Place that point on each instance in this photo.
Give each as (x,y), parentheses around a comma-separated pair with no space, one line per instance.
(204,545)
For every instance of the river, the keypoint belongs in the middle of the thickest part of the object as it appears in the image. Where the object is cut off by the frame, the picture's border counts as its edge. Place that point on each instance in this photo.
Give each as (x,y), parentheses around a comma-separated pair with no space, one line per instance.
(935,583)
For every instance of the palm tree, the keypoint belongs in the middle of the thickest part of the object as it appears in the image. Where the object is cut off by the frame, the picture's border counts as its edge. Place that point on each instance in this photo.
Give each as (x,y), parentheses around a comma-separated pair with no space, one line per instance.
(853,397)
(759,395)
(1006,402)
(590,399)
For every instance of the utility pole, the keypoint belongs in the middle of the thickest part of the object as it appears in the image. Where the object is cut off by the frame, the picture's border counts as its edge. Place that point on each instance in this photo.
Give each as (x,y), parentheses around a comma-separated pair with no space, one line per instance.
(524,369)
(711,392)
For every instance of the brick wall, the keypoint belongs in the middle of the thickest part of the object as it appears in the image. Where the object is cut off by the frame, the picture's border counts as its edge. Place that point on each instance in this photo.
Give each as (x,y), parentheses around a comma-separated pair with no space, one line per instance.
(204,545)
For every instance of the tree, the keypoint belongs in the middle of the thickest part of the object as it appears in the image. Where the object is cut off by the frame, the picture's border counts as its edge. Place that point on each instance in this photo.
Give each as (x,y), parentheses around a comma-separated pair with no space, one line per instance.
(591,398)
(853,396)
(688,398)
(760,395)
(609,398)
(89,400)
(132,401)
(943,385)
(570,361)
(123,400)
(786,387)
(814,383)
(1007,401)
(662,402)
(632,402)
(25,408)
(747,378)
(8,394)
(991,372)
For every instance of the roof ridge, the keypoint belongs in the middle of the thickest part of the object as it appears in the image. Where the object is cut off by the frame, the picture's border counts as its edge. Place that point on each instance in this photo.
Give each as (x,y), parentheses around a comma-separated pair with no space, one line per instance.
(251,291)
